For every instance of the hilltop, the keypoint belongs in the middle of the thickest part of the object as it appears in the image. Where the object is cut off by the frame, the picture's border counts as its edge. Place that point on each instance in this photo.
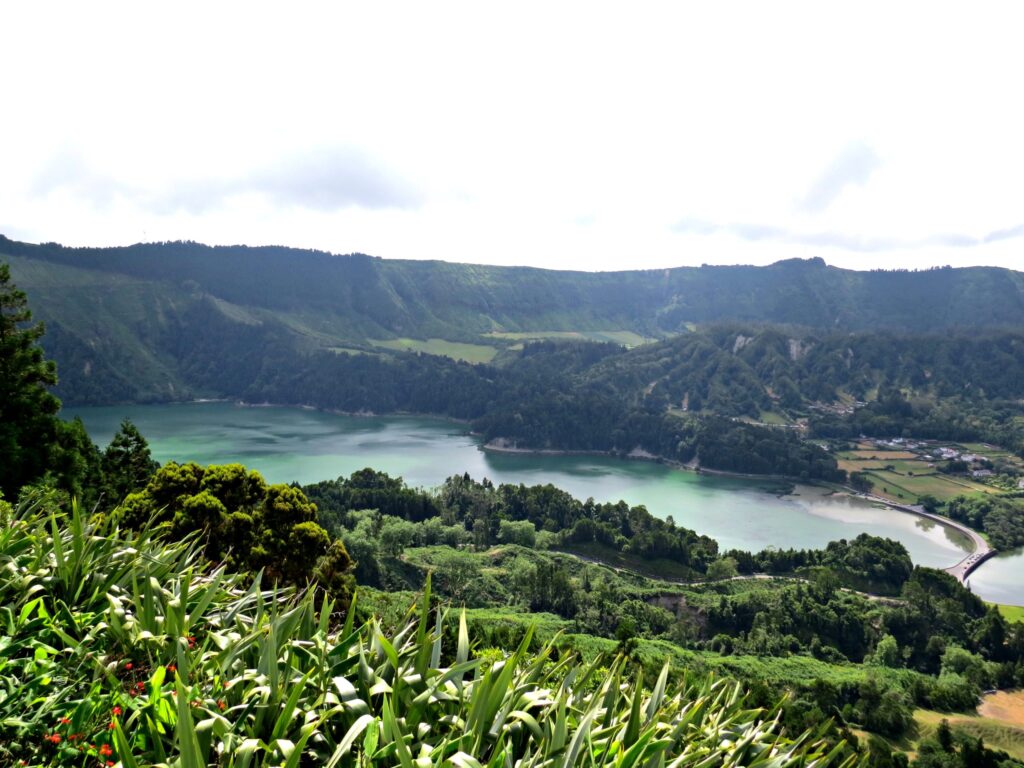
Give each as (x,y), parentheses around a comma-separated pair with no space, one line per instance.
(117,317)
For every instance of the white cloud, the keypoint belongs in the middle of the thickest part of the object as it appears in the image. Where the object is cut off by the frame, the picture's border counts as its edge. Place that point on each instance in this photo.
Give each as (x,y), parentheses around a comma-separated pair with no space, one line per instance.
(563,135)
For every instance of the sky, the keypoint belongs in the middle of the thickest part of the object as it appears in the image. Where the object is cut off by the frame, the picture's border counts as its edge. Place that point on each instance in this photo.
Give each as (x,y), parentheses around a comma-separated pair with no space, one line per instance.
(590,136)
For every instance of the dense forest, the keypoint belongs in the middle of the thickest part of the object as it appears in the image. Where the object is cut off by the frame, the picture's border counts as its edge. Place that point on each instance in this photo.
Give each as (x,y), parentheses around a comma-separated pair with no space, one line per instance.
(844,353)
(159,322)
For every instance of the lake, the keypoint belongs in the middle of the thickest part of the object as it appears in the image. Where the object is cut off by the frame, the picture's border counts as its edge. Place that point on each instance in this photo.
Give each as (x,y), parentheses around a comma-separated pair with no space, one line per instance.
(295,444)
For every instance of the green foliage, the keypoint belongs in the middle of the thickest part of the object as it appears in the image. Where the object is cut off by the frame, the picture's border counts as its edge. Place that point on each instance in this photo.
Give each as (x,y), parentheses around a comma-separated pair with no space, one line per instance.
(127,462)
(954,748)
(120,646)
(244,522)
(28,423)
(1002,519)
(867,563)
(722,568)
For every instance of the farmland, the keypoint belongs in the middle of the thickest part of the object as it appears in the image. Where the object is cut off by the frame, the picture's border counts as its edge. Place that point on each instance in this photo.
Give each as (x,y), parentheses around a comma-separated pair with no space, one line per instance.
(470,353)
(904,474)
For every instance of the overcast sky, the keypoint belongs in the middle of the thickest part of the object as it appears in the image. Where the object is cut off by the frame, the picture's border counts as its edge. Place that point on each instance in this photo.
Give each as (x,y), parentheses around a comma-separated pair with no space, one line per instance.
(583,136)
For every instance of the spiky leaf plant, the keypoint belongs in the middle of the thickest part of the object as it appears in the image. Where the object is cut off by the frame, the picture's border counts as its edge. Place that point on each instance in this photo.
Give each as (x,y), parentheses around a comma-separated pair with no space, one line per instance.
(117,647)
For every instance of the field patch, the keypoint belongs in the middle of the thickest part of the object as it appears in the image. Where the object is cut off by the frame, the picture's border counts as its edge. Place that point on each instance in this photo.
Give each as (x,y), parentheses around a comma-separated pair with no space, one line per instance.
(941,487)
(457,350)
(1011,612)
(1005,706)
(997,733)
(773,417)
(869,453)
(625,338)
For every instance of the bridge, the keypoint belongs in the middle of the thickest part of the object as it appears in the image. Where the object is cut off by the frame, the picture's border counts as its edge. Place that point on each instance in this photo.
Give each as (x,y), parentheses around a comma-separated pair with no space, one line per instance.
(962,569)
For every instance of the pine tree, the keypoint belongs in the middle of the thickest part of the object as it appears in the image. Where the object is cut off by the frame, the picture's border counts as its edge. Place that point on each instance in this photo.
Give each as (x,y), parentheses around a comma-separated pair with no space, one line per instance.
(28,410)
(127,463)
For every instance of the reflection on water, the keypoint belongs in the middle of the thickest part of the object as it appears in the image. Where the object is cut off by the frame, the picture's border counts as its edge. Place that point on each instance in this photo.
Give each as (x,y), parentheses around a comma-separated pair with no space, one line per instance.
(287,444)
(1001,578)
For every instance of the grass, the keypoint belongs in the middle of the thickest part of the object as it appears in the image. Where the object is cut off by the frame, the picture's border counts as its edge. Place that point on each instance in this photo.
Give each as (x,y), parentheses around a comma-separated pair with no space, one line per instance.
(457,350)
(659,569)
(625,338)
(995,733)
(886,457)
(939,486)
(889,485)
(1011,612)
(774,418)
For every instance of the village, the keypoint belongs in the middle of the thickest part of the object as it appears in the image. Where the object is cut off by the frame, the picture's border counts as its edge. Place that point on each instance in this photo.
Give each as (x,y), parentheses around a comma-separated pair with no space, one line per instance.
(908,471)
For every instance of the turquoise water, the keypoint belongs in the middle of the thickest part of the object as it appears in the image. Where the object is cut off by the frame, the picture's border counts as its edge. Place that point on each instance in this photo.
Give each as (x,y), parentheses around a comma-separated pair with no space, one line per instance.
(287,444)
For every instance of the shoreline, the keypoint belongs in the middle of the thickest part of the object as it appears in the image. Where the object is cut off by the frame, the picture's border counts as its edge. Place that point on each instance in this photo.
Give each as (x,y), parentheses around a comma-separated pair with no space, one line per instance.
(642,455)
(981,551)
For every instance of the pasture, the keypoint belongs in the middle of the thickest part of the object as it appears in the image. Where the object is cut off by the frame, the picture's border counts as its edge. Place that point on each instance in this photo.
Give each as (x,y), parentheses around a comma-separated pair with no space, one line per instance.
(457,350)
(625,338)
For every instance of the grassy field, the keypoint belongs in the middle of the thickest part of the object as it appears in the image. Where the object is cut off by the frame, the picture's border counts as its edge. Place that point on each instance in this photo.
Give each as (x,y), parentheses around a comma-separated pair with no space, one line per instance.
(625,338)
(1011,612)
(773,417)
(997,733)
(457,350)
(882,456)
(939,486)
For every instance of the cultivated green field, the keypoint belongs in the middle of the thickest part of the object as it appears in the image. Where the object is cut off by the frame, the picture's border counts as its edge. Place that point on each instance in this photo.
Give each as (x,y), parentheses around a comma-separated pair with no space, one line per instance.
(457,350)
(625,338)
(939,486)
(774,418)
(1011,612)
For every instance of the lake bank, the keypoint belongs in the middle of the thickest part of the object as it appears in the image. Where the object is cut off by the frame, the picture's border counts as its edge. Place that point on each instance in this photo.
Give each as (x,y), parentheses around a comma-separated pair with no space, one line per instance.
(290,443)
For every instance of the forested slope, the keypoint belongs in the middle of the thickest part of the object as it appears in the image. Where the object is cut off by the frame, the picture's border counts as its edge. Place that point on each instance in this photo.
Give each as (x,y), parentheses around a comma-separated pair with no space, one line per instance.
(118,318)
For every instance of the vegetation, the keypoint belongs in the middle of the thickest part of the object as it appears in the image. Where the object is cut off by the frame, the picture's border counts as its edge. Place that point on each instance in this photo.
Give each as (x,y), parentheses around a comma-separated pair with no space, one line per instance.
(1001,519)
(120,646)
(141,630)
(28,423)
(244,522)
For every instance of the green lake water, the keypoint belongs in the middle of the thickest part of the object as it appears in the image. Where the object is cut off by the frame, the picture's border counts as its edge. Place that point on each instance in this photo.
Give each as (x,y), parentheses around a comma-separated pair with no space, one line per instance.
(287,444)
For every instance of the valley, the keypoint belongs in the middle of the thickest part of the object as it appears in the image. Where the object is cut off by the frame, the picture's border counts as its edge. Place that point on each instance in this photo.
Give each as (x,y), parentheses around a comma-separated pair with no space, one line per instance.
(291,444)
(581,467)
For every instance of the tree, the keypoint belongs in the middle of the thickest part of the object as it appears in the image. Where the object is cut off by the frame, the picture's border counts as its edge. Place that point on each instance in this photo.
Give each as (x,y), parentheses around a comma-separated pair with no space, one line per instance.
(887,652)
(244,522)
(127,462)
(722,568)
(861,481)
(28,410)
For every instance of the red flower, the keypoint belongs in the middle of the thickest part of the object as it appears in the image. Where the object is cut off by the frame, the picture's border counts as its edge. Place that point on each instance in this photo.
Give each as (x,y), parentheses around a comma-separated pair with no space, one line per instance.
(109,764)
(65,720)
(172,668)
(117,711)
(75,736)
(54,738)
(112,726)
(221,705)
(106,751)
(128,665)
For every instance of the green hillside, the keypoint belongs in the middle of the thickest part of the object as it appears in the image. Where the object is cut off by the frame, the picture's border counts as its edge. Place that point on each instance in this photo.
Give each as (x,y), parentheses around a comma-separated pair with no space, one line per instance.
(115,315)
